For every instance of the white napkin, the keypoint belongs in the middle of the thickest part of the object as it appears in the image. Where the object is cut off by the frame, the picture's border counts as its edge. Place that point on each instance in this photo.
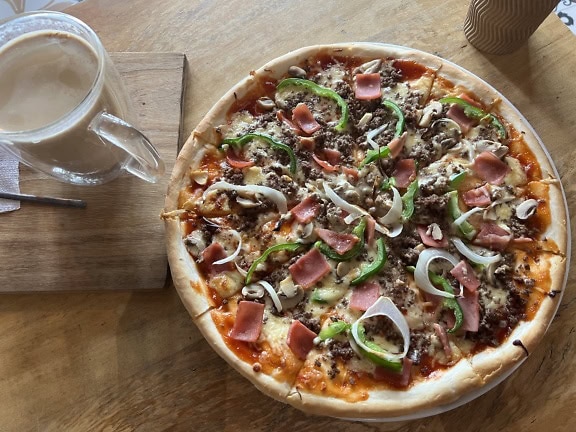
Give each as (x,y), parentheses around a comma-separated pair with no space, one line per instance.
(9,181)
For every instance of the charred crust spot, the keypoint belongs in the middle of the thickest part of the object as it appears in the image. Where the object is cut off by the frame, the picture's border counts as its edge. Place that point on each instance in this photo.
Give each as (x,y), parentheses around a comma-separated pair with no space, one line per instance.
(518,343)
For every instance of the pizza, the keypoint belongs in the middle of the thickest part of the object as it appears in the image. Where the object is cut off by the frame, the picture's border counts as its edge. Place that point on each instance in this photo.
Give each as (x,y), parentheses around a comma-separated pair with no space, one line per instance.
(367,231)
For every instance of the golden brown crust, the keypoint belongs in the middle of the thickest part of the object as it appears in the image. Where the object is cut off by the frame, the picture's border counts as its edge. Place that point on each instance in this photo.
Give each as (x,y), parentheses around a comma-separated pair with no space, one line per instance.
(442,388)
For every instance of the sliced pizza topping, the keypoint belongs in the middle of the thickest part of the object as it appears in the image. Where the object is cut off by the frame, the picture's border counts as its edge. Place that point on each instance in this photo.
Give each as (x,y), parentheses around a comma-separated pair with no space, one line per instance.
(353,252)
(383,307)
(490,168)
(365,295)
(464,274)
(368,86)
(302,116)
(322,92)
(306,210)
(396,146)
(213,260)
(471,310)
(271,141)
(248,323)
(300,339)
(236,162)
(493,236)
(478,197)
(404,172)
(340,242)
(309,269)
(432,235)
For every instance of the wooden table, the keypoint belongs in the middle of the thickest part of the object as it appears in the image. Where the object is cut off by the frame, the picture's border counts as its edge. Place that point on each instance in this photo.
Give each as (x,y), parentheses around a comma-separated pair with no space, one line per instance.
(134,360)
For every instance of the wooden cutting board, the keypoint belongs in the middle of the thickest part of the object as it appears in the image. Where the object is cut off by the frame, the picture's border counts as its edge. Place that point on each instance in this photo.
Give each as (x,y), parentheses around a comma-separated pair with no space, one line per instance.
(117,241)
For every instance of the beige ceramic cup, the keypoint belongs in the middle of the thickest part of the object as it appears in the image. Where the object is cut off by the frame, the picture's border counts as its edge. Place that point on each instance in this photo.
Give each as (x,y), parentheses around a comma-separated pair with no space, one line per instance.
(503,26)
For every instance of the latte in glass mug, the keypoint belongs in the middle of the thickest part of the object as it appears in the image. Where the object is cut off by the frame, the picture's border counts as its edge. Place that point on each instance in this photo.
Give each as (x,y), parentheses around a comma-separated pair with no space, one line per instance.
(63,109)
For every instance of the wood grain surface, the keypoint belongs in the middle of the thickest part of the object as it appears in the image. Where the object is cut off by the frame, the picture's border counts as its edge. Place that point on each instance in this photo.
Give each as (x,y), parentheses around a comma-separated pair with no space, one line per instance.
(119,361)
(116,242)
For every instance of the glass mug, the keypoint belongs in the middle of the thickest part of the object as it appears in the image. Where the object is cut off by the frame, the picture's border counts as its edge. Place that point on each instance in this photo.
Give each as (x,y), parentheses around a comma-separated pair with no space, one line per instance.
(63,108)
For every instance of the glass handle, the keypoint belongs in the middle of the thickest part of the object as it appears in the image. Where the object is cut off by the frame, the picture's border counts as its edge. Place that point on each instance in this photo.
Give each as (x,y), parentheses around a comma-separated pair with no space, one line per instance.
(144,161)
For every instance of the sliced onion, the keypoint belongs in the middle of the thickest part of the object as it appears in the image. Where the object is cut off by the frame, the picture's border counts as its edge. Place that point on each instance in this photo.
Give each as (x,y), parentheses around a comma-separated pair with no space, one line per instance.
(466,215)
(354,212)
(371,134)
(395,212)
(272,194)
(396,230)
(236,235)
(343,204)
(240,270)
(273,294)
(421,273)
(473,256)
(384,307)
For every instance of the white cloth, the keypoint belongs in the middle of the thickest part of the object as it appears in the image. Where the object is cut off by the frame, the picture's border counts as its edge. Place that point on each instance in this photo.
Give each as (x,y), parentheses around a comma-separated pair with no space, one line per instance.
(9,181)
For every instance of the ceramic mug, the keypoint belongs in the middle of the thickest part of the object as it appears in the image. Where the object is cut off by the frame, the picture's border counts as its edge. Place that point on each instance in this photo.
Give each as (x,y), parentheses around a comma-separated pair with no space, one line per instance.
(63,108)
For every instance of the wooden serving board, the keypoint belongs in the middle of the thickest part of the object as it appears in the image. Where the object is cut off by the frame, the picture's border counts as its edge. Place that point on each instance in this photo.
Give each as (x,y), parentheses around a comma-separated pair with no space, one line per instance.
(117,241)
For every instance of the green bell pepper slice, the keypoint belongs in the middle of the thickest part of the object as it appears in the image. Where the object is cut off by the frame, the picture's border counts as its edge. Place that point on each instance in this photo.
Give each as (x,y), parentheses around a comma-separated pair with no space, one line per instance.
(408,200)
(322,92)
(372,155)
(476,113)
(395,366)
(375,266)
(449,303)
(456,180)
(275,144)
(465,227)
(333,330)
(388,184)
(291,247)
(358,231)
(400,124)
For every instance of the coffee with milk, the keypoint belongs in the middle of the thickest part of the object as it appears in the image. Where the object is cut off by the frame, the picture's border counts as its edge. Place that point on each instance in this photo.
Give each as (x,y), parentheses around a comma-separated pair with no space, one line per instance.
(44,76)
(63,107)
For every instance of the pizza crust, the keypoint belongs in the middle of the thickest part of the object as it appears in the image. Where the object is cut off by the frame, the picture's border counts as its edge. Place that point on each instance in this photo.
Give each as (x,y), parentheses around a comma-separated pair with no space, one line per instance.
(274,385)
(457,384)
(431,395)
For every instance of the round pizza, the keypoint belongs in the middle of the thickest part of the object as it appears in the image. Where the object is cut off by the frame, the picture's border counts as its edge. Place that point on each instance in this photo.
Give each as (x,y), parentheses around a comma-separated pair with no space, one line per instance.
(367,231)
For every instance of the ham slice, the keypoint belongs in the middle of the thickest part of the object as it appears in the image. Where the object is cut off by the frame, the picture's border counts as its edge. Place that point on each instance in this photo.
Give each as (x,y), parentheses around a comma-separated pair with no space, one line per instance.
(404,172)
(401,379)
(306,210)
(368,86)
(479,197)
(456,113)
(470,310)
(370,230)
(248,322)
(364,296)
(351,172)
(281,116)
(332,156)
(494,237)
(300,339)
(309,269)
(211,254)
(464,274)
(235,162)
(397,144)
(323,164)
(340,242)
(428,240)
(303,118)
(443,336)
(490,168)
